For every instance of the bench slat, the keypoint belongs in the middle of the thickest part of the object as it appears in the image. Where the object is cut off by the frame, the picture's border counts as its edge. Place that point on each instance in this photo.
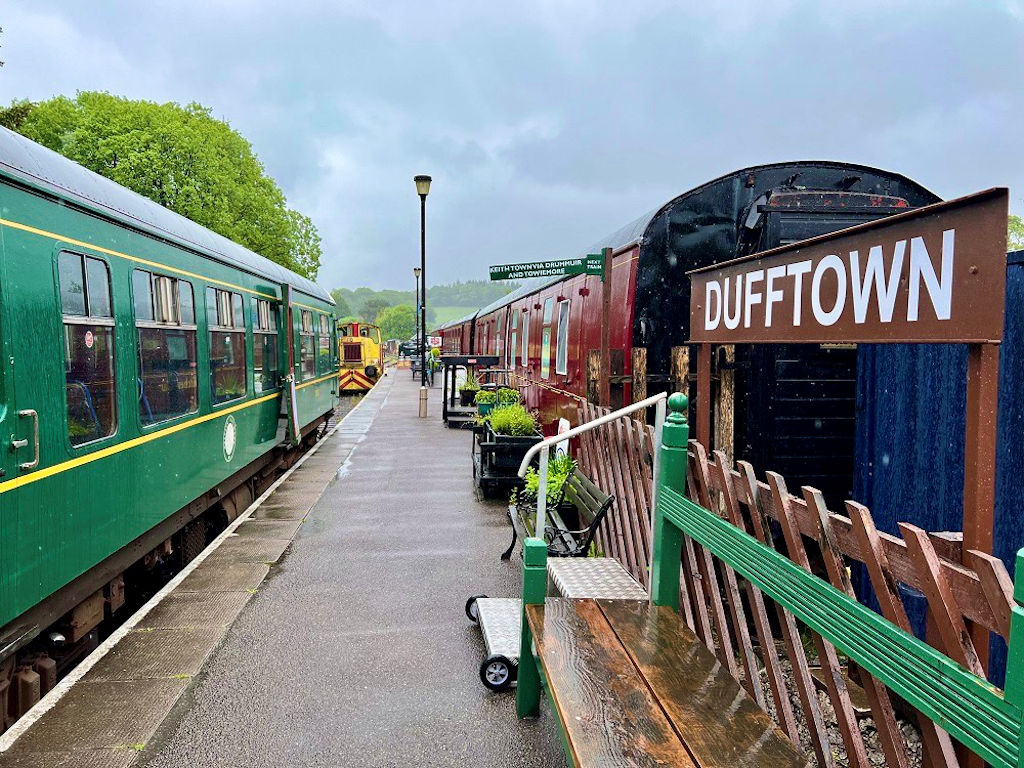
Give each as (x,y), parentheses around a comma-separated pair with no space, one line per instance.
(719,723)
(608,714)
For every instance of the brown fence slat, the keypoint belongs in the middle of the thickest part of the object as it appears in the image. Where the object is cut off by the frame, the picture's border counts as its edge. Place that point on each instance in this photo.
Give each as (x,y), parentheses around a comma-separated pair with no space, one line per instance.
(763,628)
(877,694)
(827,656)
(938,746)
(942,605)
(622,498)
(790,634)
(706,565)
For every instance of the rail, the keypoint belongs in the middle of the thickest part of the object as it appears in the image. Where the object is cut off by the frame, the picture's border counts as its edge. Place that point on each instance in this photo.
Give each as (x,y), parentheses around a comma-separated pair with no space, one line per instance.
(544,448)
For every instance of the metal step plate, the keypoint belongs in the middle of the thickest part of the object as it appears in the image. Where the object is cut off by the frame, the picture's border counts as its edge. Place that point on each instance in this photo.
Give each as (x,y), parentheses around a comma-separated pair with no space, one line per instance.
(599,578)
(500,623)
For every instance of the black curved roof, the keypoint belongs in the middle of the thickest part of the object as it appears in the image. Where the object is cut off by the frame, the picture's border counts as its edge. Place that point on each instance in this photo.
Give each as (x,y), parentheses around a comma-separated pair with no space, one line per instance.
(30,163)
(633,232)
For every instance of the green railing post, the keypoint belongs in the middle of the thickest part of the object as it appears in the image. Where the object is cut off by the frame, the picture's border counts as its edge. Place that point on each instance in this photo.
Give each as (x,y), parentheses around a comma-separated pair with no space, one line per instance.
(1013,689)
(668,539)
(535,589)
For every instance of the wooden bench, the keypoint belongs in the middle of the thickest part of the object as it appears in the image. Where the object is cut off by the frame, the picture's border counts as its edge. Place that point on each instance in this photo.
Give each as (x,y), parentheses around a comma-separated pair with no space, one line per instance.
(591,503)
(632,685)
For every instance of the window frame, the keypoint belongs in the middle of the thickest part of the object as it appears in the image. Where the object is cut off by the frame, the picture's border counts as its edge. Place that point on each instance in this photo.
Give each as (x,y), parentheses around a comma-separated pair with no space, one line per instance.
(306,332)
(562,339)
(231,312)
(157,325)
(545,337)
(259,331)
(524,359)
(102,321)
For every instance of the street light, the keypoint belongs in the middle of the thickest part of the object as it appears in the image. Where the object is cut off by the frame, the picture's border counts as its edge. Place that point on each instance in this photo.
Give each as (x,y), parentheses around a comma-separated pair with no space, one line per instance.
(423,189)
(416,274)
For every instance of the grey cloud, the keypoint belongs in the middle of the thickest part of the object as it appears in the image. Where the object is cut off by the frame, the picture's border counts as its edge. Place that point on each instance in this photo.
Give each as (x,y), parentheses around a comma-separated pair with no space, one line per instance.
(545,123)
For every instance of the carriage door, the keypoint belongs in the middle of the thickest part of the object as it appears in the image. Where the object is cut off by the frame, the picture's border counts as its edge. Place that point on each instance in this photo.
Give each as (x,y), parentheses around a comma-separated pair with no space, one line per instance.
(10,429)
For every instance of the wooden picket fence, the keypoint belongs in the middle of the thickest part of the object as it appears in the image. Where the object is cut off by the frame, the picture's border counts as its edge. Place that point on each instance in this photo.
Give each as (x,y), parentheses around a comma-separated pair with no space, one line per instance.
(618,457)
(759,641)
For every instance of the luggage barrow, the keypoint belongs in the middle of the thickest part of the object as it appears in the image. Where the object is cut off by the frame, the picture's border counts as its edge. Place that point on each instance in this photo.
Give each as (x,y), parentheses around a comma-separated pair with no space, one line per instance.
(500,621)
(500,618)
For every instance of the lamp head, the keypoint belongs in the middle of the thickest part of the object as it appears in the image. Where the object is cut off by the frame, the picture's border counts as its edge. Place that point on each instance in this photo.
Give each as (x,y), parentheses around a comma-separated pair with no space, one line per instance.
(422,185)
(416,272)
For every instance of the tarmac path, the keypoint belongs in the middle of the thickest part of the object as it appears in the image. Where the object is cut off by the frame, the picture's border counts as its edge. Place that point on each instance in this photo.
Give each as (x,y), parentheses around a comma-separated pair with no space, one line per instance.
(356,651)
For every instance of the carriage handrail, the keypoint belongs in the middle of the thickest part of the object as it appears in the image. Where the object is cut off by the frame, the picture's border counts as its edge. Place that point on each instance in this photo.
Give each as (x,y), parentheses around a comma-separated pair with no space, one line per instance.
(544,447)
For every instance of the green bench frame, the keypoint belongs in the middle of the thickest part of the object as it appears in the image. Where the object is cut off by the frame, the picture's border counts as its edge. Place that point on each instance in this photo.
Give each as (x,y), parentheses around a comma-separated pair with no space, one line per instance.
(986,720)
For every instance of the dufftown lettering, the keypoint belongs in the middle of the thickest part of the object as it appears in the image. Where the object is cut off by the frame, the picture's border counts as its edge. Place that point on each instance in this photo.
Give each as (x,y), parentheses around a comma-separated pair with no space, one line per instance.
(934,274)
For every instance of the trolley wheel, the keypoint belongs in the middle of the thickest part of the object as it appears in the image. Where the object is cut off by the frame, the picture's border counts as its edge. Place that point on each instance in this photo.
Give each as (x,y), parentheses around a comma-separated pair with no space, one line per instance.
(497,672)
(471,609)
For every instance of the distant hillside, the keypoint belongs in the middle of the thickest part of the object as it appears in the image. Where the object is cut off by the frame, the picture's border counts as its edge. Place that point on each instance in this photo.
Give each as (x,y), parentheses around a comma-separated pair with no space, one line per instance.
(444,302)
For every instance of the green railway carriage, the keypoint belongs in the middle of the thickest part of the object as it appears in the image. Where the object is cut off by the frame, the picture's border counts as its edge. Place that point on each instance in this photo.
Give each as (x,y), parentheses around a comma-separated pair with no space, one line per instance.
(144,362)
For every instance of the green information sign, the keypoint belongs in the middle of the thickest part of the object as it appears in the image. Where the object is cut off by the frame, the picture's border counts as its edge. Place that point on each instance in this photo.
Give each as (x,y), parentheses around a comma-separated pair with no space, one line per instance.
(591,264)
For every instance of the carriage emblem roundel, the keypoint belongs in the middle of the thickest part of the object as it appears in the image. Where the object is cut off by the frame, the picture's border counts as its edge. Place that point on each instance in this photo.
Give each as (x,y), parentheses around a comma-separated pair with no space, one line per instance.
(230,438)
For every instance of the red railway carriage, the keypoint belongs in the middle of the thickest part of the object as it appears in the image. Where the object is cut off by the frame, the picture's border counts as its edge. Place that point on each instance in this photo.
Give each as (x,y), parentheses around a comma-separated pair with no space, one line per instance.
(795,405)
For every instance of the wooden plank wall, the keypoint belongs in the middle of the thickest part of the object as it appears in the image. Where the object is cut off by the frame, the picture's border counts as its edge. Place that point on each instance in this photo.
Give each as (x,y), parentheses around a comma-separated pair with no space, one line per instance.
(758,641)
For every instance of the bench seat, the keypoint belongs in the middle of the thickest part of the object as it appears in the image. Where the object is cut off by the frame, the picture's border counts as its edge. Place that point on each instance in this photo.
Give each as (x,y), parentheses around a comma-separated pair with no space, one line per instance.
(633,686)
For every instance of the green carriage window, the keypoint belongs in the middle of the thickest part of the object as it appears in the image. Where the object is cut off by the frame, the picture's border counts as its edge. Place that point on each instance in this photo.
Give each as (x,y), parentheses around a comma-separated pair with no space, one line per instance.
(89,375)
(307,346)
(168,380)
(264,346)
(227,346)
(323,352)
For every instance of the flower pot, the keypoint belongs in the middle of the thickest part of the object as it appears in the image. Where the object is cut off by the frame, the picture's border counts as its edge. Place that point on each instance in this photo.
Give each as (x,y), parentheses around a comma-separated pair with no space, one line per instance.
(484,408)
(466,397)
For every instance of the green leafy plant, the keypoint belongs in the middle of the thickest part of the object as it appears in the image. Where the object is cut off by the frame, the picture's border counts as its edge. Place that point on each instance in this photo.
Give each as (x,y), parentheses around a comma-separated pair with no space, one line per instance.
(513,420)
(559,469)
(485,397)
(469,385)
(507,396)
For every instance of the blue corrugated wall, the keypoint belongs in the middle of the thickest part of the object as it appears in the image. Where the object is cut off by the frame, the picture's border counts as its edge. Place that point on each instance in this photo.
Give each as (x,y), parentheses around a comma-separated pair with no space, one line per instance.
(910,435)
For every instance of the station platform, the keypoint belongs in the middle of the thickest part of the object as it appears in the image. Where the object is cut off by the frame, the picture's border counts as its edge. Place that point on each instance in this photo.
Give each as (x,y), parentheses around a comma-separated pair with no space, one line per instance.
(325,630)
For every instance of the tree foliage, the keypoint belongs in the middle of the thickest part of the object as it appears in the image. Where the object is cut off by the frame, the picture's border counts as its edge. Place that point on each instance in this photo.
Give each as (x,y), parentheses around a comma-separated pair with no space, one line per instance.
(397,322)
(182,158)
(372,308)
(1015,233)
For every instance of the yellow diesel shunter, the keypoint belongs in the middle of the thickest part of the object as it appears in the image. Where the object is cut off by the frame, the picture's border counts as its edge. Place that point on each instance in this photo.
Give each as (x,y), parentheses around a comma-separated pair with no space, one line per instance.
(362,357)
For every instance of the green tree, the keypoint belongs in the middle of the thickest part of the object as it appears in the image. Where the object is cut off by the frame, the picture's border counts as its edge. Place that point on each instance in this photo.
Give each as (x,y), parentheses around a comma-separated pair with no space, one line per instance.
(341,305)
(372,308)
(397,322)
(1015,233)
(182,158)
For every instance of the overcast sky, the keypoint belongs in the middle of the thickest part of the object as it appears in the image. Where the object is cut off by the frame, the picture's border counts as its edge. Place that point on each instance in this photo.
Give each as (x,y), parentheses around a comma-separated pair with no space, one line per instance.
(546,124)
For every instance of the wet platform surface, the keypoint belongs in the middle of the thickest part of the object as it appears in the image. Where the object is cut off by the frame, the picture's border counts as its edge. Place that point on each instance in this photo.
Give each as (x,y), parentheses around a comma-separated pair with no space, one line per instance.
(346,645)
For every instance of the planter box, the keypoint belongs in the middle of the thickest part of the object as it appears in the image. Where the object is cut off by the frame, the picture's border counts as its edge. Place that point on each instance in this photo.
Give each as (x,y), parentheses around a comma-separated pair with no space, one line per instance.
(508,450)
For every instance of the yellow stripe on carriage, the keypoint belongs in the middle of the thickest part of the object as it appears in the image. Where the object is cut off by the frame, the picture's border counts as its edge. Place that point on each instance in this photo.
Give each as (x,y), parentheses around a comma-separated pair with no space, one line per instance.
(56,469)
(137,259)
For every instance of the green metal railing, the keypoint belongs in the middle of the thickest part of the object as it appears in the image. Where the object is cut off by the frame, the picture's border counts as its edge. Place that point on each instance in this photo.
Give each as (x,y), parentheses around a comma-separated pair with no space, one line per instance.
(985,719)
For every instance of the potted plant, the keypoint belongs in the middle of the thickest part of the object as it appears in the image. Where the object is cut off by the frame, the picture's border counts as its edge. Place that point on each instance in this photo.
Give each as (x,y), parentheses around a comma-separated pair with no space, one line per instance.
(559,469)
(468,390)
(512,429)
(485,400)
(507,396)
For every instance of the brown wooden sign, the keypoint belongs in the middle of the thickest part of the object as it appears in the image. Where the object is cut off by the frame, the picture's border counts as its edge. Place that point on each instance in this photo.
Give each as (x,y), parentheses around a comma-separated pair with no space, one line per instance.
(934,274)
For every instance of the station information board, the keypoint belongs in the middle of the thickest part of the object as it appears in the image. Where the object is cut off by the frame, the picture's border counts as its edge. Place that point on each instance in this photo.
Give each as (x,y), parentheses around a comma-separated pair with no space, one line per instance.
(591,264)
(934,274)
